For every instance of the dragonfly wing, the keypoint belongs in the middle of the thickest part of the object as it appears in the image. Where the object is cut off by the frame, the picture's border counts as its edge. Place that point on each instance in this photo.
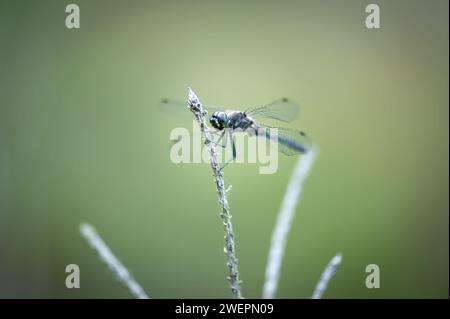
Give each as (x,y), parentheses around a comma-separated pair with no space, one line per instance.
(180,108)
(283,110)
(174,107)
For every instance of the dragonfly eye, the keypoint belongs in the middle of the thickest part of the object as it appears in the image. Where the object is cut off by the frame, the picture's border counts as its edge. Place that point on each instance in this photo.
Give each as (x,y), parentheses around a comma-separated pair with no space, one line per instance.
(218,120)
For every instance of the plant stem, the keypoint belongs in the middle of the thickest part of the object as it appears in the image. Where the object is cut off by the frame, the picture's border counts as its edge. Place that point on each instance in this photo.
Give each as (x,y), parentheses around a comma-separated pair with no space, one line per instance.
(284,221)
(196,107)
(327,274)
(122,274)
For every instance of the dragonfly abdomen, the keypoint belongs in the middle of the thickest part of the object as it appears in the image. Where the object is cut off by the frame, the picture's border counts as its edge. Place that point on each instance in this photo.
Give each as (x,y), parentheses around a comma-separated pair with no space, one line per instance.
(289,142)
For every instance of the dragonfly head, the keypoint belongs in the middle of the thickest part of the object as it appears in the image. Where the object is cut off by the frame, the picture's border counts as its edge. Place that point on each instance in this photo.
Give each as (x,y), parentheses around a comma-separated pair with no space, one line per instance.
(219,120)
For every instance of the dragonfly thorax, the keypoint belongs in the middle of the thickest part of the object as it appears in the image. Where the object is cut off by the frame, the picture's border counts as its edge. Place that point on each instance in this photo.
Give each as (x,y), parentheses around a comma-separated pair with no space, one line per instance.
(219,120)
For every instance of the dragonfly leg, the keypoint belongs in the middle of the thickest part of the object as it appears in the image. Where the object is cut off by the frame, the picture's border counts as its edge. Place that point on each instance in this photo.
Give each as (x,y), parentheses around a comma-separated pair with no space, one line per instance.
(233,146)
(220,138)
(216,132)
(225,139)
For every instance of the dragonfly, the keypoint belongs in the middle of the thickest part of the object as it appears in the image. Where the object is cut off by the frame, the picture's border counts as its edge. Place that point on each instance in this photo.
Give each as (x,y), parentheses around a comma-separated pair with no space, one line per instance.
(227,122)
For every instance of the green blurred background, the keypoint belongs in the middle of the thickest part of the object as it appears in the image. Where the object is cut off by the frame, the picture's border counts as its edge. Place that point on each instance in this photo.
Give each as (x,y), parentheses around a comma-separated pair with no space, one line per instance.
(81,140)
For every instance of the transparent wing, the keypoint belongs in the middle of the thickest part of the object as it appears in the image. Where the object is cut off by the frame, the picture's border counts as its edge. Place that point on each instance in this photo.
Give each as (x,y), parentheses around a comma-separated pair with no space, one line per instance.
(174,107)
(283,110)
(180,108)
(290,142)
